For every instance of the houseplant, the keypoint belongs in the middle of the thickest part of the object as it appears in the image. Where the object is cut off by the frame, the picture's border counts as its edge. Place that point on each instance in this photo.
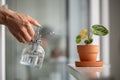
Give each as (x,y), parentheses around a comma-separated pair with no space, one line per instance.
(87,51)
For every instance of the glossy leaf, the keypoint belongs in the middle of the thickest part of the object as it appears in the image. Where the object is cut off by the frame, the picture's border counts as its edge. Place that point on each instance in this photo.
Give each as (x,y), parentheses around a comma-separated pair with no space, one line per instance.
(78,39)
(89,41)
(99,30)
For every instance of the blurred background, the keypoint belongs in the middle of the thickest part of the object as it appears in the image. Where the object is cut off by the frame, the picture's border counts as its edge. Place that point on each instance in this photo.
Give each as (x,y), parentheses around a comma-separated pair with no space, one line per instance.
(65,18)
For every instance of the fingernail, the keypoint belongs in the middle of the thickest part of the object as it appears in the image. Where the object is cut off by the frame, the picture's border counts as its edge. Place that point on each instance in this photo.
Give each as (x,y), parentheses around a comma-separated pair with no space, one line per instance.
(37,23)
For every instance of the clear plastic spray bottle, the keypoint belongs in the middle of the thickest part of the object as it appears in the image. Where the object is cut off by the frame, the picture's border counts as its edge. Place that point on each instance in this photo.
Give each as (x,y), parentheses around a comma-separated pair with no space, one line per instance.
(33,54)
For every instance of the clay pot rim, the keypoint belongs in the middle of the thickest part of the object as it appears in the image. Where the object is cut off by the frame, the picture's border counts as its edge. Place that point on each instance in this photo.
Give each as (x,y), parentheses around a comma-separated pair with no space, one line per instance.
(87,45)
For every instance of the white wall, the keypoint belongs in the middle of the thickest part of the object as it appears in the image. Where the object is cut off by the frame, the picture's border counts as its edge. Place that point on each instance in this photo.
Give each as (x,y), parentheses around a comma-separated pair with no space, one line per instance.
(115,38)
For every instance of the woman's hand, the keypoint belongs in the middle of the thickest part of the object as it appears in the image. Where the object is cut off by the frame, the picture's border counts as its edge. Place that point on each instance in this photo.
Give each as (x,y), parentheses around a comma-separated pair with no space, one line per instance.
(20,26)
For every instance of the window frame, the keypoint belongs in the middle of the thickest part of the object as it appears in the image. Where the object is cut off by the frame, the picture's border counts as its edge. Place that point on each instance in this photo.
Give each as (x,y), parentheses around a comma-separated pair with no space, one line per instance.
(2,47)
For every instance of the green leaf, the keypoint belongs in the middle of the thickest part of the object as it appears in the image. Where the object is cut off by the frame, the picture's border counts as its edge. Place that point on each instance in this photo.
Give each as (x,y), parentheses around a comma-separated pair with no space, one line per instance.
(89,41)
(99,30)
(78,39)
(86,41)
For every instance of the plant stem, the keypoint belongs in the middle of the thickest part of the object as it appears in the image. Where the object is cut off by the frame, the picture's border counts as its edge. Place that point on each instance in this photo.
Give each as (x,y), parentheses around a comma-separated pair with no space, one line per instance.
(88,32)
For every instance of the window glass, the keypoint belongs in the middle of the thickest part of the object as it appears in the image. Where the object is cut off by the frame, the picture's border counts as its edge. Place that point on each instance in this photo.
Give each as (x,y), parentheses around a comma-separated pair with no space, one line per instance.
(65,19)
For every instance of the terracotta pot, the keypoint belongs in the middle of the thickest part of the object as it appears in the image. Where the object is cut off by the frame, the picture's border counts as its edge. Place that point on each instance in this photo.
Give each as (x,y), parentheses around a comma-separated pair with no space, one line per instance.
(88,52)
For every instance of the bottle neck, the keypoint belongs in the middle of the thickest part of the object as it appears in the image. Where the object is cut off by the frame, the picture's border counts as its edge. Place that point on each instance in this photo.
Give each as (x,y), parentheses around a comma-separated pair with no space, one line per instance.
(37,38)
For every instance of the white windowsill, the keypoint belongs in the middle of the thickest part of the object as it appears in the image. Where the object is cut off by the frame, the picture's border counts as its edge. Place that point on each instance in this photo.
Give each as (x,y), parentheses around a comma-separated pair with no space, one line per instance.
(89,73)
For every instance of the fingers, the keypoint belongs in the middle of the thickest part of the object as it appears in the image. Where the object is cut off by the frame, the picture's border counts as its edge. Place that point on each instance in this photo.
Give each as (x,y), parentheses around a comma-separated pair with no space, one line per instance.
(32,21)
(24,33)
(30,30)
(18,36)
